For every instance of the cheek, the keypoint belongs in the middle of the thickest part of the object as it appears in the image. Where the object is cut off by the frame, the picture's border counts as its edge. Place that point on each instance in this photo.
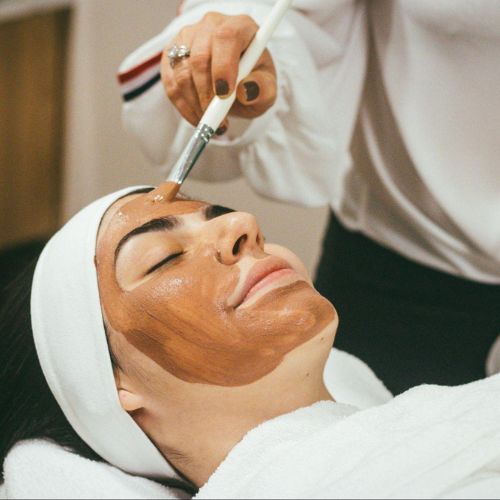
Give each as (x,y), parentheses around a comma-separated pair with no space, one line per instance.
(193,294)
(181,322)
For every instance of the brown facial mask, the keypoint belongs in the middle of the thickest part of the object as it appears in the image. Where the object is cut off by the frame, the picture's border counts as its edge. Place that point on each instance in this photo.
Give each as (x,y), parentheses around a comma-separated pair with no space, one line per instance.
(182,314)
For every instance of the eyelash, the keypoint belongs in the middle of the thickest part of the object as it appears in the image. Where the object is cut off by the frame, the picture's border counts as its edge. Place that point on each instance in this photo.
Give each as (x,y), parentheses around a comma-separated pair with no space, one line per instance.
(213,212)
(163,262)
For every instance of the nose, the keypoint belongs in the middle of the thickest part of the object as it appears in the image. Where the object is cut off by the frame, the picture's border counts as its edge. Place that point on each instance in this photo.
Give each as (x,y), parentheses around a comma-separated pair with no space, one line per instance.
(237,234)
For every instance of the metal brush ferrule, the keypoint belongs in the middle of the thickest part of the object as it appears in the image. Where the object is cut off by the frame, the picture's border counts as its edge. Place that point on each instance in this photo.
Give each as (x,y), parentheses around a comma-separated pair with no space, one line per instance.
(191,153)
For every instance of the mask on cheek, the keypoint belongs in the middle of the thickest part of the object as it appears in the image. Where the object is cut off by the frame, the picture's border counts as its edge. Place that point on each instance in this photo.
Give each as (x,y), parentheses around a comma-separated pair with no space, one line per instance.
(181,321)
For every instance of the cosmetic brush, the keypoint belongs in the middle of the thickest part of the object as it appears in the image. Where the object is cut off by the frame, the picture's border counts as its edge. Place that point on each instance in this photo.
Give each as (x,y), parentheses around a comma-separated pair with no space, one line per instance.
(219,108)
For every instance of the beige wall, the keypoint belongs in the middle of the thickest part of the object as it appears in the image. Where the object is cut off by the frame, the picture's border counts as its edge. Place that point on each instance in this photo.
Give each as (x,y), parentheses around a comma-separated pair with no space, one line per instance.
(99,156)
(31,123)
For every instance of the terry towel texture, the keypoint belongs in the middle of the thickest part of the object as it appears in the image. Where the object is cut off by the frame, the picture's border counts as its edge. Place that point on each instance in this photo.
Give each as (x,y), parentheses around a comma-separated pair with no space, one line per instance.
(430,442)
(40,469)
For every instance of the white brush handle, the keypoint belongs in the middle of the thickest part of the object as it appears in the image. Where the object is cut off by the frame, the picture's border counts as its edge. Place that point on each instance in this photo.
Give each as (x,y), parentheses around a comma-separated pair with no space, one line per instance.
(219,108)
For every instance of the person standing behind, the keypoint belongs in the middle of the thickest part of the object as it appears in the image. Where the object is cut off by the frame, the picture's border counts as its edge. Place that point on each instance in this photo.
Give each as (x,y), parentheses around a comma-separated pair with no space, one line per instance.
(386,110)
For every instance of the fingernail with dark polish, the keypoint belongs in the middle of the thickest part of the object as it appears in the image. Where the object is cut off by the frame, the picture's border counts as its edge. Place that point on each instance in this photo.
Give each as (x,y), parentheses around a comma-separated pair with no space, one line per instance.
(252,90)
(221,130)
(221,87)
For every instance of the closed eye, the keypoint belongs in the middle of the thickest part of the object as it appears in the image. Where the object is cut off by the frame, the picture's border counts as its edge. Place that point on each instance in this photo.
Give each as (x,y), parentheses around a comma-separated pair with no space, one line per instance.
(163,262)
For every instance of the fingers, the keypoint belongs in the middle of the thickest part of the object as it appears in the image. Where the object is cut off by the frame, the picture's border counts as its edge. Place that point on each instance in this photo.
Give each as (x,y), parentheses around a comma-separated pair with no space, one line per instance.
(229,41)
(178,81)
(201,61)
(223,127)
(201,56)
(216,44)
(255,94)
(184,80)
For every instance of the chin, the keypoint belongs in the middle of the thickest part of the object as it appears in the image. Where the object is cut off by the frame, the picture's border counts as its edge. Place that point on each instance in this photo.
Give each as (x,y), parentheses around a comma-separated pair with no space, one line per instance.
(314,305)
(291,315)
(303,296)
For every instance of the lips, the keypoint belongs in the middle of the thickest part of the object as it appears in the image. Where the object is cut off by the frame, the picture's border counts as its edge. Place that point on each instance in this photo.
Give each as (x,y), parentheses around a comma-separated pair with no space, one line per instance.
(259,276)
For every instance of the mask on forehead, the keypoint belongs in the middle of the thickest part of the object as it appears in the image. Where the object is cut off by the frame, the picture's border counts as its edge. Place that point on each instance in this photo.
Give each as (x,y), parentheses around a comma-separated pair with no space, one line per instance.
(180,316)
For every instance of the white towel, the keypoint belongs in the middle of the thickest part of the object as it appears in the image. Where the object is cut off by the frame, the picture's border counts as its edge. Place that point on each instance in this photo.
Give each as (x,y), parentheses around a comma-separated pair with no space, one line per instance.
(351,381)
(71,345)
(431,442)
(41,469)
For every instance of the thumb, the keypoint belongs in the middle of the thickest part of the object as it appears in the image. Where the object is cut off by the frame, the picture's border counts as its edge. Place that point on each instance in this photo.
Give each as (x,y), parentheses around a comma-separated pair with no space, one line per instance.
(257,92)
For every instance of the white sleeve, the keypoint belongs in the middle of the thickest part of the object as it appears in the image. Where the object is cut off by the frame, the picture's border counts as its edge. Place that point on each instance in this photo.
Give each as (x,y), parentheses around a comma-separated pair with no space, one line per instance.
(298,150)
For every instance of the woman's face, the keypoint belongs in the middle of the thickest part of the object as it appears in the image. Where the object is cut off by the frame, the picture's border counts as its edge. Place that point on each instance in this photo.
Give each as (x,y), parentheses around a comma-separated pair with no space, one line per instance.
(193,287)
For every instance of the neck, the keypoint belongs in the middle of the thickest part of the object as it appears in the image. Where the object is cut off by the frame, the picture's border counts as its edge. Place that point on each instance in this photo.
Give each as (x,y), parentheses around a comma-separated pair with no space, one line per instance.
(212,419)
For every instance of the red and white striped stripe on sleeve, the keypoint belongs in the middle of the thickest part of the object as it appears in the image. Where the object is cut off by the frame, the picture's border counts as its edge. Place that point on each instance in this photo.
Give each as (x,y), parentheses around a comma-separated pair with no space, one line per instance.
(137,80)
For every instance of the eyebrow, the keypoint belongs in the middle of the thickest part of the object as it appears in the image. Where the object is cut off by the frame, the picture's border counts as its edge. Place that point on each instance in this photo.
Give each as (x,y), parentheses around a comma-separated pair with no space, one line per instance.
(160,224)
(213,211)
(170,222)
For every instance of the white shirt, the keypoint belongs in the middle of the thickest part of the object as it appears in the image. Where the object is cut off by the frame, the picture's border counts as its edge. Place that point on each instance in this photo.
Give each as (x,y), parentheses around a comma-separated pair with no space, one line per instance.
(412,85)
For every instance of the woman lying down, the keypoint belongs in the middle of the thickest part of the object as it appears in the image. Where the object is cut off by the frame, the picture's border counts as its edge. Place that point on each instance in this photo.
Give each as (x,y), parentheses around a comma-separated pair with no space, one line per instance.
(183,350)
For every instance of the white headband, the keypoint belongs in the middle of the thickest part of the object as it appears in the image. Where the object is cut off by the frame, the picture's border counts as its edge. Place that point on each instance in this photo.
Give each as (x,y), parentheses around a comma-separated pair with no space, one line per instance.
(72,348)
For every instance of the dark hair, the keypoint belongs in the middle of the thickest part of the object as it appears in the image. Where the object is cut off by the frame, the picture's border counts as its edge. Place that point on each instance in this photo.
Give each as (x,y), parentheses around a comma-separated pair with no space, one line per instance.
(28,409)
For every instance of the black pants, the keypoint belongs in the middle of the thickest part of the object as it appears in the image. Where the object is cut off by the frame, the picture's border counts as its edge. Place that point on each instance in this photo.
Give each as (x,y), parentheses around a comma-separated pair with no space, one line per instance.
(409,323)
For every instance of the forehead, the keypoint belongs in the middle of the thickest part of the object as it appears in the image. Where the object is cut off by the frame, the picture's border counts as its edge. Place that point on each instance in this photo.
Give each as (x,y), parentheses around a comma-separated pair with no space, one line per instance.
(134,210)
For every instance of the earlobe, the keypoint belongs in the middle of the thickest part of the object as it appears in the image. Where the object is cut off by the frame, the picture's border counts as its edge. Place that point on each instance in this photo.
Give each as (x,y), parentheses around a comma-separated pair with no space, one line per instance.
(129,400)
